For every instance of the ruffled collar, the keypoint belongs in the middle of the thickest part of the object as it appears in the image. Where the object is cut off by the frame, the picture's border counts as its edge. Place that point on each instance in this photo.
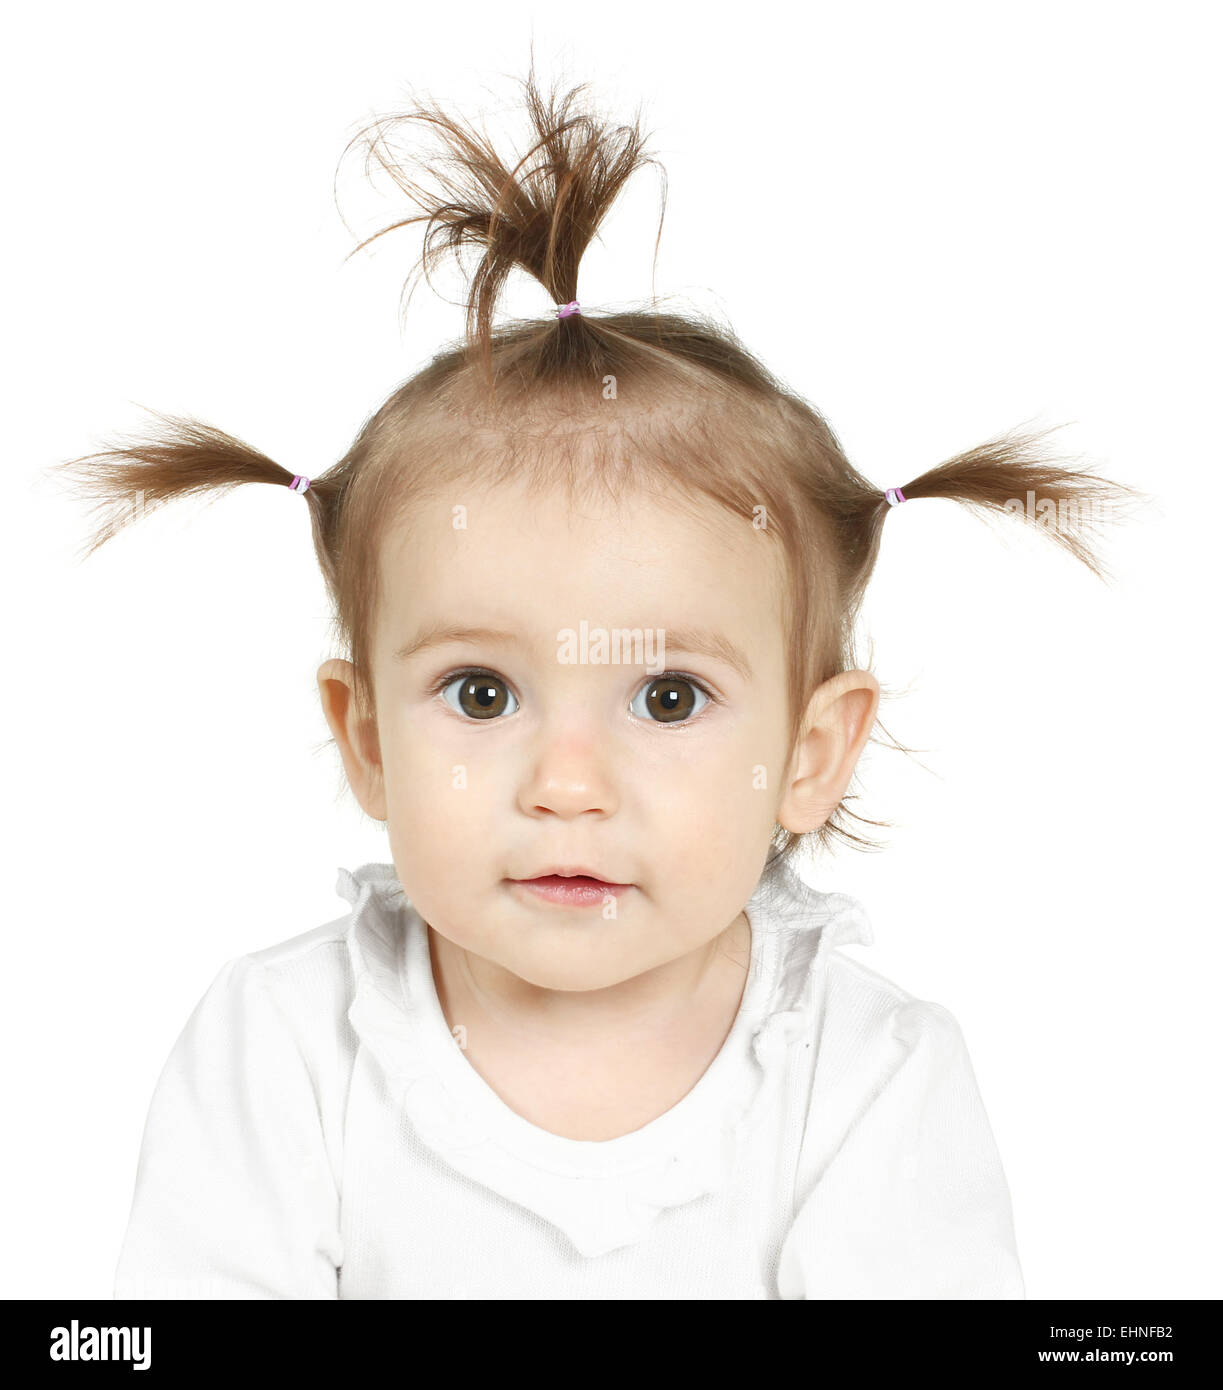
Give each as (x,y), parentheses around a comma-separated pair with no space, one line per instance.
(603,1194)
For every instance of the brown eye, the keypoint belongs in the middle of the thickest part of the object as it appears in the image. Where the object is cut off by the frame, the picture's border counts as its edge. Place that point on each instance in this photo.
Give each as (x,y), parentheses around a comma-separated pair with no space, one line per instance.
(480,696)
(670,700)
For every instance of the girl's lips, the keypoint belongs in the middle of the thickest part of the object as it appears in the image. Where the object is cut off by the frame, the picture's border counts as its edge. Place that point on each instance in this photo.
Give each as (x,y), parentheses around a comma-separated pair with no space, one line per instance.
(578,891)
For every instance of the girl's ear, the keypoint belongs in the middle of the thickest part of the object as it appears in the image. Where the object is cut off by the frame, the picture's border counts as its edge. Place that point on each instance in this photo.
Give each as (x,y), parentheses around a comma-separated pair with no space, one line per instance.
(838,722)
(356,738)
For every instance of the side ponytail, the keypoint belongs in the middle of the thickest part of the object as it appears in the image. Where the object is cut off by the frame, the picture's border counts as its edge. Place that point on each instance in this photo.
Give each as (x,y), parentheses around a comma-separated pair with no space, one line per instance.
(1010,475)
(178,458)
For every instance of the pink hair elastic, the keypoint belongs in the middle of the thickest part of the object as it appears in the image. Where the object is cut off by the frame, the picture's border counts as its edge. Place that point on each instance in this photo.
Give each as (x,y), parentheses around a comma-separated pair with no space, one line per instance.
(895,497)
(564,310)
(299,483)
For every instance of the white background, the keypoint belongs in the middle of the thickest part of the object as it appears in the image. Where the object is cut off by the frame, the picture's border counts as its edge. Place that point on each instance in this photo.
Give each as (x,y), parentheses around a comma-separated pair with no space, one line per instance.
(935,222)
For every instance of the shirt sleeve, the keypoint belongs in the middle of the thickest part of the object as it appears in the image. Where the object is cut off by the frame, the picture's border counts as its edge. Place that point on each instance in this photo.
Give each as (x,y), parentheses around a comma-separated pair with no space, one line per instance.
(235,1197)
(913,1203)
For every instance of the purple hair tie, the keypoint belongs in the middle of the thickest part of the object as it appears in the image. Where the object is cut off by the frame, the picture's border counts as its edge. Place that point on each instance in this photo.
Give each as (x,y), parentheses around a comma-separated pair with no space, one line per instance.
(564,310)
(895,497)
(299,479)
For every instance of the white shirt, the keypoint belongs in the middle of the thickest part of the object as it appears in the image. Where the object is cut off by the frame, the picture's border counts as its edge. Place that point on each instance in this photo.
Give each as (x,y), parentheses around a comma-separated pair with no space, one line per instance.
(318,1133)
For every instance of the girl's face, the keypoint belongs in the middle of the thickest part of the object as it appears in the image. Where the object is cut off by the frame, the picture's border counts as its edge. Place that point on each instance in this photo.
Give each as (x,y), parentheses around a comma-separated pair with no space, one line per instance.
(584,757)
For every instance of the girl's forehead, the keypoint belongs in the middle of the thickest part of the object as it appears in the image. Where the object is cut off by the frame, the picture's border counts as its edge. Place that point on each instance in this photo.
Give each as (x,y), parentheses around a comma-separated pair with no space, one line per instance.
(547,560)
(530,522)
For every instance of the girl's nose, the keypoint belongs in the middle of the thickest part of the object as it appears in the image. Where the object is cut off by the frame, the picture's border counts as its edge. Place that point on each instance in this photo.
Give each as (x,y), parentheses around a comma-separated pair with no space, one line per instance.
(570,777)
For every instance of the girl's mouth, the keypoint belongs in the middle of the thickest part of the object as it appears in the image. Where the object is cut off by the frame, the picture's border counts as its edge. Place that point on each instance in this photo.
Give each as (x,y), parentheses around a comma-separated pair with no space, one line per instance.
(577,890)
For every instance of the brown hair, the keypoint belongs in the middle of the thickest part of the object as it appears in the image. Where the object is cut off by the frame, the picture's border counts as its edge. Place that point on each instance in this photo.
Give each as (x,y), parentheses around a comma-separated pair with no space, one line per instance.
(653,399)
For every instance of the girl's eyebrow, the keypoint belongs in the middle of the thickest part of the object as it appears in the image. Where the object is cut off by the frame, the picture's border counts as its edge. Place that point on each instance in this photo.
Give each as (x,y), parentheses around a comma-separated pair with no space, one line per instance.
(439,634)
(697,642)
(685,641)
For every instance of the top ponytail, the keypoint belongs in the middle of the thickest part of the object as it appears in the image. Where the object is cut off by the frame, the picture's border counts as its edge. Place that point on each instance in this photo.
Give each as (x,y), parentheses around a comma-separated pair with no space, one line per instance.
(671,402)
(539,215)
